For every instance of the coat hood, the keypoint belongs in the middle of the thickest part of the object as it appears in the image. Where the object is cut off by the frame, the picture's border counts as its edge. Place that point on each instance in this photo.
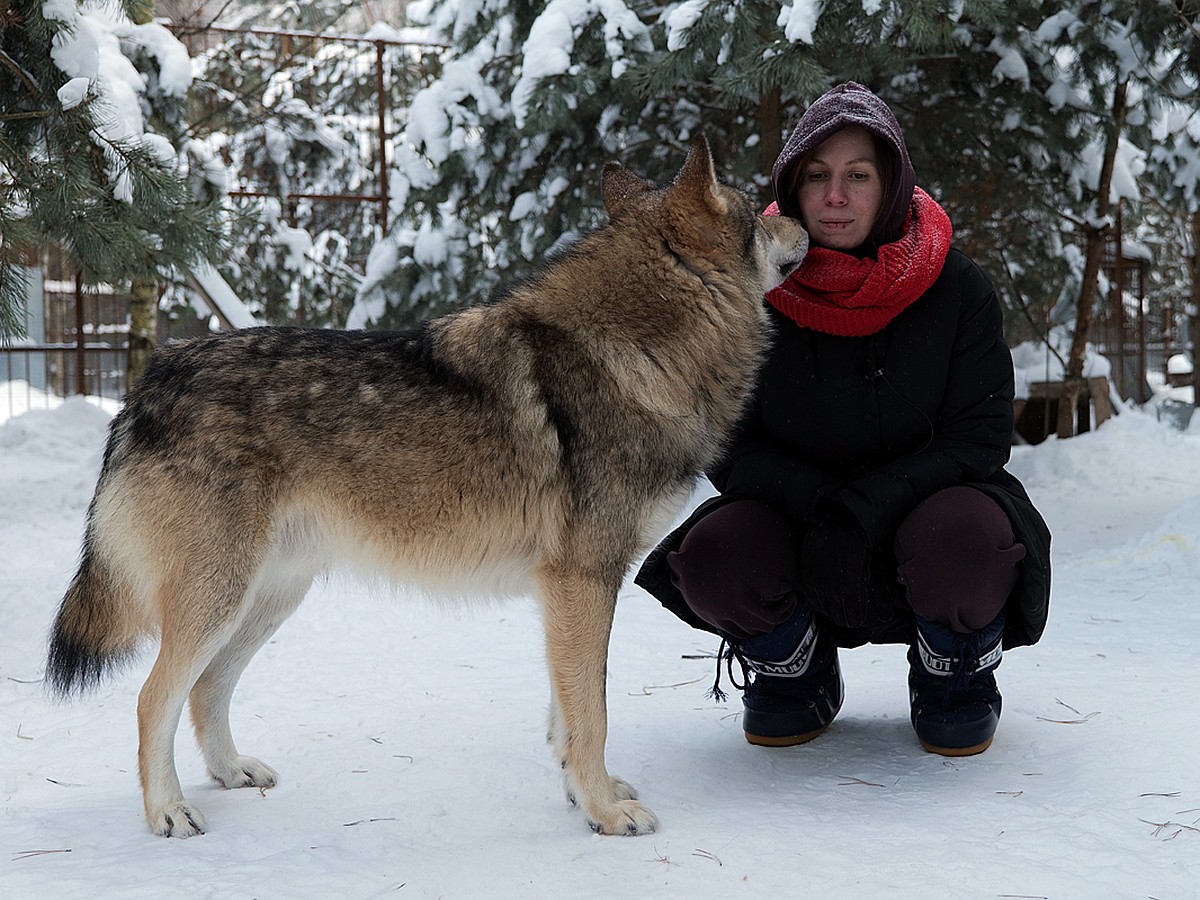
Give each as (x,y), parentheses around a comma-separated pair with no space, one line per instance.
(845,105)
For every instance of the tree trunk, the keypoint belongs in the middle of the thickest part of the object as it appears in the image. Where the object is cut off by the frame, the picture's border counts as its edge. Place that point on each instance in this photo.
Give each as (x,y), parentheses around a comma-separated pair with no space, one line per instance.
(143,293)
(143,327)
(1096,230)
(770,131)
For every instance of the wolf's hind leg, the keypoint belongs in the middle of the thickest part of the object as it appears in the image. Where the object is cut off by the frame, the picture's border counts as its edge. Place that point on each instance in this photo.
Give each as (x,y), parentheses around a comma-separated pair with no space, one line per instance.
(578,613)
(188,644)
(209,700)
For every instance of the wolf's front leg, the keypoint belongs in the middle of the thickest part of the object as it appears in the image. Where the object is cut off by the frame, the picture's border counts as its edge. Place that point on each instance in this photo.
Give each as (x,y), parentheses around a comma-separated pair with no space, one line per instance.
(578,614)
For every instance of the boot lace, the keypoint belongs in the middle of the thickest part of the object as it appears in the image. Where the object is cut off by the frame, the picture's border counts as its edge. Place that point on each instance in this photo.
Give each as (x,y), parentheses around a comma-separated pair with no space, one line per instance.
(728,652)
(961,686)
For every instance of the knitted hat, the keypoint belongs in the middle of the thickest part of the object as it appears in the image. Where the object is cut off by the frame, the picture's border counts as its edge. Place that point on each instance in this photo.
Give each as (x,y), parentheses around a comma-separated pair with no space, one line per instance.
(842,106)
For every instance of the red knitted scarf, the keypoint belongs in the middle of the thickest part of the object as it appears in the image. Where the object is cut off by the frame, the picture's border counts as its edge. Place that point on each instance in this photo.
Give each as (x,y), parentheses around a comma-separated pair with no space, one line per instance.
(836,293)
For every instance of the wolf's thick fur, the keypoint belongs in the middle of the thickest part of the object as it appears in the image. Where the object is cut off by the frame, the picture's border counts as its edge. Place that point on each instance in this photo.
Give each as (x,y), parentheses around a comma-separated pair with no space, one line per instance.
(540,442)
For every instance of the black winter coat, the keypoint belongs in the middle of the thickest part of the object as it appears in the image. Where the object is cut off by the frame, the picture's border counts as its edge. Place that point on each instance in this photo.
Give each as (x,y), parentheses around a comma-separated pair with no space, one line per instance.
(886,420)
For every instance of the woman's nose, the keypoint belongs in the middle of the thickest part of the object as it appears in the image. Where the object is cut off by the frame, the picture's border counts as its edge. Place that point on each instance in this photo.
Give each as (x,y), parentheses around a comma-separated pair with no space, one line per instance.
(835,194)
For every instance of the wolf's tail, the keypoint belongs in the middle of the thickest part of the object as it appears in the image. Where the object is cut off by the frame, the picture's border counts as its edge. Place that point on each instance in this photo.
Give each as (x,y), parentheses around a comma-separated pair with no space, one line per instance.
(94,630)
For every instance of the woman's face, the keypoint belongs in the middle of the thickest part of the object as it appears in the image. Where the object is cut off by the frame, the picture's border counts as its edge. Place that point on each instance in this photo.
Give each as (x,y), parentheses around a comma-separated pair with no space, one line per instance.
(840,190)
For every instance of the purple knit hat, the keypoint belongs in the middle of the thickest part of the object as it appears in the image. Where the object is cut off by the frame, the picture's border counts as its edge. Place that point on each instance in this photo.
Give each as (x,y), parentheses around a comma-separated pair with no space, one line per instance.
(850,104)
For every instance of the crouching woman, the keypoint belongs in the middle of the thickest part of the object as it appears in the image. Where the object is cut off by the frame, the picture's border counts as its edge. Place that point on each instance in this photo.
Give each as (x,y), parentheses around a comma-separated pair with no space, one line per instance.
(863,498)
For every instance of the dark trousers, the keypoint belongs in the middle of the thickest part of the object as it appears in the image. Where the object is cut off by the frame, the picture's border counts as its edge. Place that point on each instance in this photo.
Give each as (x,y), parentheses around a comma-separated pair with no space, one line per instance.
(955,557)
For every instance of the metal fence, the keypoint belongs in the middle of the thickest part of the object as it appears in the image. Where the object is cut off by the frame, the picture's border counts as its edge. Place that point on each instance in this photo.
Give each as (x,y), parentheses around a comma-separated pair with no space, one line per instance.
(38,376)
(76,345)
(78,335)
(360,85)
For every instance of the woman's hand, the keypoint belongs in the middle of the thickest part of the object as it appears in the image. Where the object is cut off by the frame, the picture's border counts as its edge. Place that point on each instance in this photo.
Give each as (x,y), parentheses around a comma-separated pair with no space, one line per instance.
(842,576)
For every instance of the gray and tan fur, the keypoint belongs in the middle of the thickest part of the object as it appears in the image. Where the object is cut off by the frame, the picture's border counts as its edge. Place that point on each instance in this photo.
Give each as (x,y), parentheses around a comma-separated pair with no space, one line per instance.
(540,442)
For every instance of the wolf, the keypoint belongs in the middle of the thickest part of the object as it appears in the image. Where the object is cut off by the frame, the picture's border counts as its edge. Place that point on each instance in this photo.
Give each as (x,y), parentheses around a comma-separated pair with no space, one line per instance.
(538,443)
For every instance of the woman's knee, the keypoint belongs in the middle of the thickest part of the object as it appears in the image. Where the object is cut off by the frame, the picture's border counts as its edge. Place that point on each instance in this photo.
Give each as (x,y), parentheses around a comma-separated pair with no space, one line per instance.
(958,558)
(737,568)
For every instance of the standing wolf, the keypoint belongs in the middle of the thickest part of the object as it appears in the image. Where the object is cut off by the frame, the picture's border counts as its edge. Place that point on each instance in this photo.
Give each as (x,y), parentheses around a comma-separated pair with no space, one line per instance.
(540,442)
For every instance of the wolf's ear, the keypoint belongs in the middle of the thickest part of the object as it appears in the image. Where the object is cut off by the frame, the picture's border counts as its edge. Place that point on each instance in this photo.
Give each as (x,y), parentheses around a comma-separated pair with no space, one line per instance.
(698,177)
(695,204)
(619,186)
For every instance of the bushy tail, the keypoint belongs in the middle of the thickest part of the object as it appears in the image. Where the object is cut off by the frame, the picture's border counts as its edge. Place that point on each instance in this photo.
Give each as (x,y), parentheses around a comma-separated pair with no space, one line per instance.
(92,632)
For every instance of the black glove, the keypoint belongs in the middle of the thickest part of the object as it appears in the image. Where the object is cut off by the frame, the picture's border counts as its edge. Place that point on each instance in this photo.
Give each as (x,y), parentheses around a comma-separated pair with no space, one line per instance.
(841,575)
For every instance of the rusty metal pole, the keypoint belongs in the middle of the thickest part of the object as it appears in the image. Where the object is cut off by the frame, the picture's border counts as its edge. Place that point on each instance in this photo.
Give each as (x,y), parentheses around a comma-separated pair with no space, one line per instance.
(1142,374)
(80,352)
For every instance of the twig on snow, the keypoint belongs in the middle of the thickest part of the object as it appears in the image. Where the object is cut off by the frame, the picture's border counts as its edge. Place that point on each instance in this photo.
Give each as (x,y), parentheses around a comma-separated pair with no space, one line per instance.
(29,854)
(1080,721)
(1160,827)
(370,821)
(648,689)
(661,858)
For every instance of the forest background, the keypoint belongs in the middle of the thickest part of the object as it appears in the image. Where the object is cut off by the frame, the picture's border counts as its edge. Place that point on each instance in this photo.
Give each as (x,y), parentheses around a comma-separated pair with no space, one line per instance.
(1034,123)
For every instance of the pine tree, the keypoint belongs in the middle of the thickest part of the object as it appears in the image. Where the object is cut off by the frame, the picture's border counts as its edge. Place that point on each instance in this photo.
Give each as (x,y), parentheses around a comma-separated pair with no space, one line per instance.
(1117,66)
(501,158)
(298,116)
(1009,109)
(1173,178)
(80,163)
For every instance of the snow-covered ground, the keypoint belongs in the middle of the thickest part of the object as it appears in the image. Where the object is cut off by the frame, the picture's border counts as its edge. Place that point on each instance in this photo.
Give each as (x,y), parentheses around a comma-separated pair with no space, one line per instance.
(409,737)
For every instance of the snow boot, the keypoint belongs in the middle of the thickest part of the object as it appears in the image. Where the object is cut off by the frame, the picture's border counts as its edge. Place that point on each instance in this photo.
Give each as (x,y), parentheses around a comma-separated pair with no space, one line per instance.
(952,687)
(794,687)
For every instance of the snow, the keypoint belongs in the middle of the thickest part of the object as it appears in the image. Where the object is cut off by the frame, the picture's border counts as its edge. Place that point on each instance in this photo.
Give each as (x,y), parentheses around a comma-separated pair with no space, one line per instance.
(548,50)
(90,49)
(383,258)
(174,64)
(59,10)
(410,735)
(799,20)
(680,19)
(160,148)
(1010,65)
(429,246)
(438,113)
(1051,30)
(1179,364)
(71,94)
(219,297)
(1034,361)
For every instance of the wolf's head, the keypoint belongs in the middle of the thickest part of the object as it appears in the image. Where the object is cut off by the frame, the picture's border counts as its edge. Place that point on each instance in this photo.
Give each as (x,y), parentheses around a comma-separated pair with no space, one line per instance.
(712,228)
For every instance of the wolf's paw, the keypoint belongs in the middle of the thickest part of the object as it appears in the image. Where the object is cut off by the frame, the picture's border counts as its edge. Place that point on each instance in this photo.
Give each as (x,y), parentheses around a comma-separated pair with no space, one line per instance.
(627,817)
(623,789)
(245,771)
(178,819)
